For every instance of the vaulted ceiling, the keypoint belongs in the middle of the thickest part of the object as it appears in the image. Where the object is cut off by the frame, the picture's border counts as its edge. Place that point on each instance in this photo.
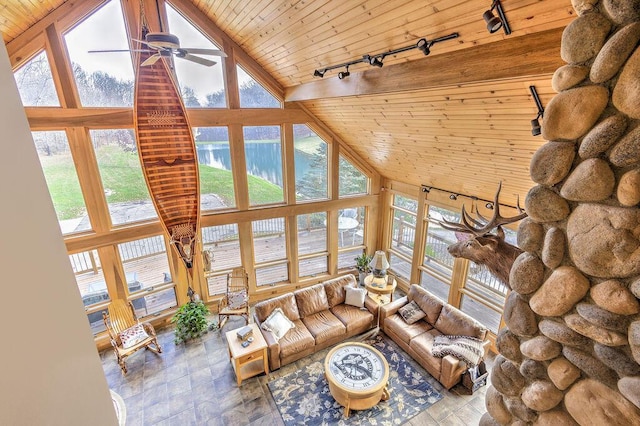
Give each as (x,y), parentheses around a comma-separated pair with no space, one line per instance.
(458,119)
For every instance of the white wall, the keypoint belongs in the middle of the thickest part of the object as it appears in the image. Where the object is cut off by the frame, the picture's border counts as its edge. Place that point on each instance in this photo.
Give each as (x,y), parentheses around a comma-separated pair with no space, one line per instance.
(50,371)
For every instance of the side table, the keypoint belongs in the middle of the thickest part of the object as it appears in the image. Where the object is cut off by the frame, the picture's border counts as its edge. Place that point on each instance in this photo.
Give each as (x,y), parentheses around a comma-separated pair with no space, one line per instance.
(250,361)
(388,289)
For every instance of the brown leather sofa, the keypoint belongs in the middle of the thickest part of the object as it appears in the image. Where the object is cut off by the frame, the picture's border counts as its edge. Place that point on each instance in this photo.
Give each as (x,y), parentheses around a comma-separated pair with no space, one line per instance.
(417,339)
(321,319)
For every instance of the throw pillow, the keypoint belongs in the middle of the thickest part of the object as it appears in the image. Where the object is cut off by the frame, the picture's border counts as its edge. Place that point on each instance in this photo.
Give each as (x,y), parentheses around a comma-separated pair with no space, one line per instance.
(355,296)
(278,323)
(411,312)
(133,335)
(237,299)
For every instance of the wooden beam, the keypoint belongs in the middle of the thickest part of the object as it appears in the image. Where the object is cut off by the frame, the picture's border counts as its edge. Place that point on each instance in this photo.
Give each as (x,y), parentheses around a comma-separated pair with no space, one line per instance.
(530,55)
(47,118)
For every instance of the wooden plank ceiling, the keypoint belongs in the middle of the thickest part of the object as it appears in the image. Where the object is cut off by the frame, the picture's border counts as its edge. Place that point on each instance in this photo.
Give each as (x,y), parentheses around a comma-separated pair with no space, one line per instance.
(455,125)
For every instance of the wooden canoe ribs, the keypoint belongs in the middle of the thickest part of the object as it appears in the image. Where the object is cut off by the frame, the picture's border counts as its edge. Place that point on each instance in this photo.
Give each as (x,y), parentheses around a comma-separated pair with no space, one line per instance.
(168,155)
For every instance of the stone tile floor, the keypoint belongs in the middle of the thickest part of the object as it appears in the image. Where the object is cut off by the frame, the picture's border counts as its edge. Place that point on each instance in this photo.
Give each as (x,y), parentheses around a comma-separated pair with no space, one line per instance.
(194,384)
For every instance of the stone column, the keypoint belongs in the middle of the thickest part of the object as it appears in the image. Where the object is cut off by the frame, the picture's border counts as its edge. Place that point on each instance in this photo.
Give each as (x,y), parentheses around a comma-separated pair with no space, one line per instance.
(570,353)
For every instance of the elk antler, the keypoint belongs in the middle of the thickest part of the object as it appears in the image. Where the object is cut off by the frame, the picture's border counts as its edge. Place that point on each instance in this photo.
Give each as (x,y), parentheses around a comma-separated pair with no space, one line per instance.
(483,226)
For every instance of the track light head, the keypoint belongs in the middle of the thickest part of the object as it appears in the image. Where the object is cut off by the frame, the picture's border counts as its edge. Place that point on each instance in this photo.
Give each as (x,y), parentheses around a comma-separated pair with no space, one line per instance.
(345,73)
(426,189)
(424,47)
(319,73)
(535,127)
(489,206)
(493,22)
(453,197)
(375,61)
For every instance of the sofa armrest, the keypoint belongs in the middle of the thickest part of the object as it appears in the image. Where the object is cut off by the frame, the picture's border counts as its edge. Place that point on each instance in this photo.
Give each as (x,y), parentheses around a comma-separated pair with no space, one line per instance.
(390,309)
(451,371)
(373,307)
(273,347)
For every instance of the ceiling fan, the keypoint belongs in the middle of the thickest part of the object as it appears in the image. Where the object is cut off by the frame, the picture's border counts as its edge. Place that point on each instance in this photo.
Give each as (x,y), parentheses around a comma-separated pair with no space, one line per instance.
(166,45)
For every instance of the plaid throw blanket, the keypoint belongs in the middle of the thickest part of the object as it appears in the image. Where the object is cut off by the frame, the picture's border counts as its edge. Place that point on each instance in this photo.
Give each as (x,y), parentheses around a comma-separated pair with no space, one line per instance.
(465,348)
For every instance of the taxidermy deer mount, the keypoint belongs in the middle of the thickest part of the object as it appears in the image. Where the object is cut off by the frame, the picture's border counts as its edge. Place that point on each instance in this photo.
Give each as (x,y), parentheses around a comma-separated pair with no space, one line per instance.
(482,247)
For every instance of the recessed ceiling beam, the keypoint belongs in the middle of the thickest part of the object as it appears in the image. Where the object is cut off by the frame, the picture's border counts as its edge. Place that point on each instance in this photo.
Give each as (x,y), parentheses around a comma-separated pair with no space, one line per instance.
(528,55)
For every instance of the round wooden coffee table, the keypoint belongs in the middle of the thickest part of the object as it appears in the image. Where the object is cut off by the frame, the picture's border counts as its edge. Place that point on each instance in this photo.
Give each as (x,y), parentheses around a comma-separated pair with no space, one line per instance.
(357,375)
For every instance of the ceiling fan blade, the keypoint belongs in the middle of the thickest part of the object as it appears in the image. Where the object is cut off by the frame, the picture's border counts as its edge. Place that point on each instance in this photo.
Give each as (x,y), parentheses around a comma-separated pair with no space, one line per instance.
(150,60)
(197,51)
(117,51)
(198,60)
(139,41)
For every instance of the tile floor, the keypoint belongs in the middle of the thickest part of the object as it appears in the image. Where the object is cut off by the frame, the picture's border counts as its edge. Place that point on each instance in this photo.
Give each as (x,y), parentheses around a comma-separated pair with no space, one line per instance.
(194,384)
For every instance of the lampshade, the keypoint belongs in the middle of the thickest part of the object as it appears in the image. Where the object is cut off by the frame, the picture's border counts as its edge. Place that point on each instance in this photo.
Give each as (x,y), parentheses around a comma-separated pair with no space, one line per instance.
(379,264)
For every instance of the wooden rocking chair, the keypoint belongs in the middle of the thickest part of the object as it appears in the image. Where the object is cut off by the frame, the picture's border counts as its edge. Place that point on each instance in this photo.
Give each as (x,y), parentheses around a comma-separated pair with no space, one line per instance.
(127,333)
(236,301)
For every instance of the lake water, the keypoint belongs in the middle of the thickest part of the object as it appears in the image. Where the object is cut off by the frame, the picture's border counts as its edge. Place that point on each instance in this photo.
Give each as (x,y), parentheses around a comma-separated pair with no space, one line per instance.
(264,160)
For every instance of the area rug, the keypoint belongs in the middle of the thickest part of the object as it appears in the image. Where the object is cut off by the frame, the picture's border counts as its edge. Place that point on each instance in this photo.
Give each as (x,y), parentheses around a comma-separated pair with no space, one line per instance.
(303,397)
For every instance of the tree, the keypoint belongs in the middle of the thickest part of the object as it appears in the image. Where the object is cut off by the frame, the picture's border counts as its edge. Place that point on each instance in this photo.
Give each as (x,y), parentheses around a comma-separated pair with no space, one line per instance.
(313,185)
(189,98)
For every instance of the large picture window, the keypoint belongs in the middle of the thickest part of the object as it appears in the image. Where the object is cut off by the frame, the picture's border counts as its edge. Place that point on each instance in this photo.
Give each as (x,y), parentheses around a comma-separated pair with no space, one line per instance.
(312,244)
(403,235)
(311,164)
(270,251)
(263,155)
(223,244)
(214,165)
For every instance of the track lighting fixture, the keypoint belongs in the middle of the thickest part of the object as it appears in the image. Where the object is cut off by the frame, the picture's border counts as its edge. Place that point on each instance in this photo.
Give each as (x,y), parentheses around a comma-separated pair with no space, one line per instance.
(494,23)
(426,189)
(345,73)
(453,197)
(489,206)
(376,60)
(536,129)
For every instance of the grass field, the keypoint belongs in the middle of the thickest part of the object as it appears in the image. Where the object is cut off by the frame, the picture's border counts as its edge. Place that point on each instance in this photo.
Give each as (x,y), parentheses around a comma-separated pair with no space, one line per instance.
(123,182)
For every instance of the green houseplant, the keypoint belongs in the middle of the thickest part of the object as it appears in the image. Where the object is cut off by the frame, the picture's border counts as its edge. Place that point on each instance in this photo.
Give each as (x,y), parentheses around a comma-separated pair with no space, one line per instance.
(191,321)
(362,265)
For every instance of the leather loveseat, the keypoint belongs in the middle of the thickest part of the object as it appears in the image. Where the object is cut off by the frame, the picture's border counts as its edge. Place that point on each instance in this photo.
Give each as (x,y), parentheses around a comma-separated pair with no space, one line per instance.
(321,319)
(417,338)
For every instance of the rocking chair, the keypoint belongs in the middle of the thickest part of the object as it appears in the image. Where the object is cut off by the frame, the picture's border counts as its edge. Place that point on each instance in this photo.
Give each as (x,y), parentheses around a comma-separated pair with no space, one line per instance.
(236,300)
(127,333)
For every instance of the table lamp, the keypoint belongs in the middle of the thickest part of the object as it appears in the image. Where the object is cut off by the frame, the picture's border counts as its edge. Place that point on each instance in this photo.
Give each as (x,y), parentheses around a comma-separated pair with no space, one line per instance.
(379,265)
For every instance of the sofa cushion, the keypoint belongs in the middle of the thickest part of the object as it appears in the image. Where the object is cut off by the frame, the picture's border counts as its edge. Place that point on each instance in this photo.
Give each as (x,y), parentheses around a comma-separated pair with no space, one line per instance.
(353,318)
(456,323)
(286,302)
(423,346)
(296,340)
(405,331)
(335,289)
(324,326)
(311,300)
(429,303)
(411,312)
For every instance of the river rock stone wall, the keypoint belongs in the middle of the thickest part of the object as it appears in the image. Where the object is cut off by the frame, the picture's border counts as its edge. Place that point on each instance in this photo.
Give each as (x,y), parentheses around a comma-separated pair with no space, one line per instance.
(570,353)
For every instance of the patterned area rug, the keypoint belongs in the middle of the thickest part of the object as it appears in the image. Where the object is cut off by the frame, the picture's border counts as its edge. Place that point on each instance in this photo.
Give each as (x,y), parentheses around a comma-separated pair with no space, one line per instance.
(303,397)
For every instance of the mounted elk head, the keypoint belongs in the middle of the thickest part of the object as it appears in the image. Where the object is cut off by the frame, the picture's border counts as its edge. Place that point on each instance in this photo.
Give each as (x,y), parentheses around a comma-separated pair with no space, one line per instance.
(483,247)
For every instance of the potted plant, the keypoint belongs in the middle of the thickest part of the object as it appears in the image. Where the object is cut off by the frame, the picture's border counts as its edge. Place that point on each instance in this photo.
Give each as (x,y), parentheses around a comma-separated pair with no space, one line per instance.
(191,321)
(362,265)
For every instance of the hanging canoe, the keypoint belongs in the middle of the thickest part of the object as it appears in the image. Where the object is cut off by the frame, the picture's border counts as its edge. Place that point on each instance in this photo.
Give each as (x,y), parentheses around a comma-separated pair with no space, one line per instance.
(167,153)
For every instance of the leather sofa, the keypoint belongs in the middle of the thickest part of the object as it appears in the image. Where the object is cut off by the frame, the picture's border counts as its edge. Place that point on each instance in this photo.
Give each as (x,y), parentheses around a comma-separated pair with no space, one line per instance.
(417,339)
(321,319)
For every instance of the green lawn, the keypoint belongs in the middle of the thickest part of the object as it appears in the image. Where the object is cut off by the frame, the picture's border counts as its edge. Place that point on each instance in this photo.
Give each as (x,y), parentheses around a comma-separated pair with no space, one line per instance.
(123,182)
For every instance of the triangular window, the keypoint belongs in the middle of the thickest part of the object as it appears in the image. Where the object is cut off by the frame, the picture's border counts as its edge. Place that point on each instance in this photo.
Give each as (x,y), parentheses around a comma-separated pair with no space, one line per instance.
(35,83)
(352,181)
(201,86)
(103,79)
(252,93)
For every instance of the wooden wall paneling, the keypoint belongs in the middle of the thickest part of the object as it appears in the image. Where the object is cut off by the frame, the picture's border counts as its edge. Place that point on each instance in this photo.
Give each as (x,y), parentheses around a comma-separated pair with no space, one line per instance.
(537,54)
